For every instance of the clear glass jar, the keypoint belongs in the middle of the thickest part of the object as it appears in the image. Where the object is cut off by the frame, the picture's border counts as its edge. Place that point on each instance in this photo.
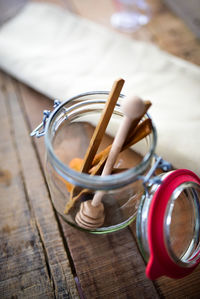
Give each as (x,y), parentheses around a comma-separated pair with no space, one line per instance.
(167,206)
(67,136)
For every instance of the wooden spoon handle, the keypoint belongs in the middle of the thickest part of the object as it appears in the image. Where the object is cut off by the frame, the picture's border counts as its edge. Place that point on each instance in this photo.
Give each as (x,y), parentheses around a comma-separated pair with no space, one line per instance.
(131,133)
(132,108)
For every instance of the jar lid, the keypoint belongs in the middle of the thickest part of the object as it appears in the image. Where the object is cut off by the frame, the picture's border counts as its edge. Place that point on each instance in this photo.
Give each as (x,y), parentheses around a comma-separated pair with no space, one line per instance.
(174,226)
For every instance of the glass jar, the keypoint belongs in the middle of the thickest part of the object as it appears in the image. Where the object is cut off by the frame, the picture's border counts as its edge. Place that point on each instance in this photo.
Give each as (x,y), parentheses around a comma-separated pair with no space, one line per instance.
(167,206)
(67,136)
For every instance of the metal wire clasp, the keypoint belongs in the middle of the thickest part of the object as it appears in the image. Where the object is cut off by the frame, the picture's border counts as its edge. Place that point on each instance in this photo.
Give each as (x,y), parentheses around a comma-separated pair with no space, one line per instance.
(40,129)
(151,178)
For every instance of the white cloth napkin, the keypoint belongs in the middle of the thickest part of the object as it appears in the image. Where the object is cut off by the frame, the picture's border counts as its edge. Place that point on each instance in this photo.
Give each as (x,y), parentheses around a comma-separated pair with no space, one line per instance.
(60,55)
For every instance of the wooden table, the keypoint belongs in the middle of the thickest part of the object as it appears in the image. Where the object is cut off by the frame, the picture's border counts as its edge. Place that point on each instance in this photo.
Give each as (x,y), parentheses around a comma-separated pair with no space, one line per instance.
(40,255)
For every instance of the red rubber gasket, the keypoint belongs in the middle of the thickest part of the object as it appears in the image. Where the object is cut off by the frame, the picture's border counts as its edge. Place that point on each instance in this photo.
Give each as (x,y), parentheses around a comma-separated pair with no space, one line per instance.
(160,262)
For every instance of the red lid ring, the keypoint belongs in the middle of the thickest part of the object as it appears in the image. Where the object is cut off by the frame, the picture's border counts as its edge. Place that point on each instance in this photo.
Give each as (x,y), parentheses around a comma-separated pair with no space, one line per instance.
(160,263)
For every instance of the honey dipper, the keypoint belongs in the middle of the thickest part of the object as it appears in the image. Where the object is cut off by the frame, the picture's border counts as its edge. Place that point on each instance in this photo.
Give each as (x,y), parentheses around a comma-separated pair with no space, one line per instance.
(91,214)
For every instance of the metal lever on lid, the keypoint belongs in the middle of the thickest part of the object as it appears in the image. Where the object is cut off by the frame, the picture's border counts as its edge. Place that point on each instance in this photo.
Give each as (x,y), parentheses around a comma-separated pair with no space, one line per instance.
(150,178)
(39,131)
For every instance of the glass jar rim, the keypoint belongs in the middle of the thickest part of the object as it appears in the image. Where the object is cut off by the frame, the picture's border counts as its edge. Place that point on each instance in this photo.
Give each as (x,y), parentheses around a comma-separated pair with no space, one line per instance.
(187,259)
(85,180)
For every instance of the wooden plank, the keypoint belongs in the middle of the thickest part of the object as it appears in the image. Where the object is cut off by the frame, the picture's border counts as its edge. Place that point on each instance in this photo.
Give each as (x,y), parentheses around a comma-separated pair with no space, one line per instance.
(173,36)
(23,270)
(39,212)
(187,287)
(188,11)
(109,266)
(106,266)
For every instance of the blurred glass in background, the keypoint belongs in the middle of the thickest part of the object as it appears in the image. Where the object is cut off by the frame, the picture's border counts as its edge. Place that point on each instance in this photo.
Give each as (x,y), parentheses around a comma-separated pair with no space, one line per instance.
(130,14)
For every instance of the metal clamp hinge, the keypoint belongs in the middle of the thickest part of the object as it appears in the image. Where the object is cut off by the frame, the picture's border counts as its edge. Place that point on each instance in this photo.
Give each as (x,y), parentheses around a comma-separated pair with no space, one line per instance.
(40,130)
(151,178)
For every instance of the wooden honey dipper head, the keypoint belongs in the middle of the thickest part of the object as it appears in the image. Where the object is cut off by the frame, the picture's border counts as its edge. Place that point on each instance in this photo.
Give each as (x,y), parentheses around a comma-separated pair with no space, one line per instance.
(133,107)
(91,214)
(90,217)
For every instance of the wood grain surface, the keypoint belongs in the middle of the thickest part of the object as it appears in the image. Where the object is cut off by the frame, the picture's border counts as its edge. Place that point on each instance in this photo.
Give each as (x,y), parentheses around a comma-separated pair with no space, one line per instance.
(33,260)
(40,255)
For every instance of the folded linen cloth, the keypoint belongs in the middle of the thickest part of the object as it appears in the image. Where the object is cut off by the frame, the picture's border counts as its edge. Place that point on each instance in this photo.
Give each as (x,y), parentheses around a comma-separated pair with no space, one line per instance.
(61,55)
